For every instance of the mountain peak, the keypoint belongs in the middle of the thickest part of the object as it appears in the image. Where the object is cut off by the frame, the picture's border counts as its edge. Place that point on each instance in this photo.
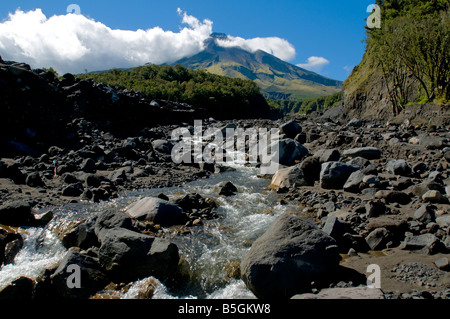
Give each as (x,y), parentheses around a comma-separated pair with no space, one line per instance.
(219,36)
(276,78)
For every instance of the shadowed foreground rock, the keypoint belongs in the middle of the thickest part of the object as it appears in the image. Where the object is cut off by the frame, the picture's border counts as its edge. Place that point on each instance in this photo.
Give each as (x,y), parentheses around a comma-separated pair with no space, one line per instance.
(285,259)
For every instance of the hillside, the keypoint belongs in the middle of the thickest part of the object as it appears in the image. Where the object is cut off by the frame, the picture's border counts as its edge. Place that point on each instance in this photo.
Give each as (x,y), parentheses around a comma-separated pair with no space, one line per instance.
(221,97)
(276,78)
(405,66)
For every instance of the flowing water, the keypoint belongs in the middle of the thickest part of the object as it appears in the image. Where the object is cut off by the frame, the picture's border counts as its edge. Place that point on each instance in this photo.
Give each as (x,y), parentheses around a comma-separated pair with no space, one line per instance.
(207,251)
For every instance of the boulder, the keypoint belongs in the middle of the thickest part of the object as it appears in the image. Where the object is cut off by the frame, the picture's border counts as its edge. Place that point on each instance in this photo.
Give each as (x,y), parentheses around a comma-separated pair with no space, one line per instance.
(88,166)
(378,238)
(129,256)
(432,142)
(334,175)
(82,235)
(11,169)
(226,189)
(333,227)
(391,196)
(291,129)
(443,221)
(92,278)
(289,177)
(162,146)
(193,201)
(311,167)
(447,156)
(353,183)
(17,213)
(398,167)
(289,152)
(375,208)
(34,180)
(369,153)
(425,243)
(109,219)
(355,123)
(425,214)
(287,257)
(328,155)
(73,190)
(433,196)
(155,210)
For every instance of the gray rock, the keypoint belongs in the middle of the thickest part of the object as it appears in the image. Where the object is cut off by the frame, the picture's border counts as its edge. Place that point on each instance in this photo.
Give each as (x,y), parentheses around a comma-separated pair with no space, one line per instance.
(426,243)
(155,210)
(311,167)
(355,123)
(289,152)
(119,176)
(364,152)
(442,263)
(354,181)
(73,190)
(391,196)
(333,175)
(375,208)
(425,214)
(88,166)
(443,221)
(328,155)
(12,248)
(82,236)
(291,129)
(289,177)
(34,180)
(162,146)
(129,256)
(333,227)
(359,161)
(431,142)
(398,167)
(92,277)
(433,196)
(94,180)
(447,156)
(378,238)
(287,257)
(226,188)
(111,218)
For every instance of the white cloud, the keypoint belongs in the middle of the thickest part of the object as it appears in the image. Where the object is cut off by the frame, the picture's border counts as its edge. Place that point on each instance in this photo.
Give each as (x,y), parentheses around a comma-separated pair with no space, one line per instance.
(278,47)
(73,43)
(314,63)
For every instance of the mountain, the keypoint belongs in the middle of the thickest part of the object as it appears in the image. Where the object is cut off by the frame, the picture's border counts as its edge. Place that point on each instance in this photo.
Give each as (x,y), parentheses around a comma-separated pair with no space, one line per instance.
(276,78)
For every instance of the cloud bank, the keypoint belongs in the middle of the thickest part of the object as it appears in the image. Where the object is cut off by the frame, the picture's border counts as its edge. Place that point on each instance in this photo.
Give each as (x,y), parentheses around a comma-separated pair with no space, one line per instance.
(74,43)
(276,46)
(314,63)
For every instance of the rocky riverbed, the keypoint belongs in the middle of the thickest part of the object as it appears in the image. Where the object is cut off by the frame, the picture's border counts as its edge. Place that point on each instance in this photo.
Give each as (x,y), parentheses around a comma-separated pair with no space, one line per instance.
(349,194)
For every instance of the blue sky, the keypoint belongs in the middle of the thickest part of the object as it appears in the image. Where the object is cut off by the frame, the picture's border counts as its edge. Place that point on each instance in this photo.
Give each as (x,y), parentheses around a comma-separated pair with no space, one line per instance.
(331,31)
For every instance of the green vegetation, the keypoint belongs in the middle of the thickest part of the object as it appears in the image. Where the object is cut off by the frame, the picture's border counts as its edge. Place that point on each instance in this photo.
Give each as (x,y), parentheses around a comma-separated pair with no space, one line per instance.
(412,50)
(223,96)
(276,78)
(308,105)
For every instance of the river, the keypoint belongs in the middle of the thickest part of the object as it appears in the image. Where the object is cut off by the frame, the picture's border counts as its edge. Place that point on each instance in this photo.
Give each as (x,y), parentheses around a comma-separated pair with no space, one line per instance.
(207,250)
